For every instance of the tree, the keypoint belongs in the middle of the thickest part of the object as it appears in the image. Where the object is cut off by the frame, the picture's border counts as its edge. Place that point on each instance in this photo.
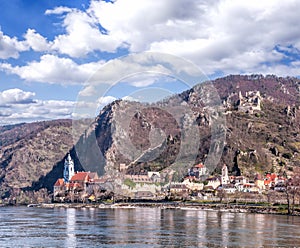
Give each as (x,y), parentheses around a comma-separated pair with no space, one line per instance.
(221,194)
(291,189)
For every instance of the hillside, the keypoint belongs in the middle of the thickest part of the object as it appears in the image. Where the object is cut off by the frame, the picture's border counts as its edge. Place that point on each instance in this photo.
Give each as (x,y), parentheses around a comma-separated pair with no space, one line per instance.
(259,132)
(31,151)
(256,140)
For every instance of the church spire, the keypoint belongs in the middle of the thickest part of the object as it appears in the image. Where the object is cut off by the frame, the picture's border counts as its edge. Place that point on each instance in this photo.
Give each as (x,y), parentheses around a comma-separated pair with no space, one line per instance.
(225,178)
(68,168)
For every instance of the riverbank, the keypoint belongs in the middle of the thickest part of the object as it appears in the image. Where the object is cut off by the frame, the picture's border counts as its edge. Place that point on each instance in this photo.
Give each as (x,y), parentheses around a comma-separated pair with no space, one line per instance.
(261,208)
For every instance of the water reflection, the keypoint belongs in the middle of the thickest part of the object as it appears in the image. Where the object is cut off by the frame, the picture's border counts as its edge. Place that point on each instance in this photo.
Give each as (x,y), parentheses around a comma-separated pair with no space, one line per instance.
(144,227)
(71,228)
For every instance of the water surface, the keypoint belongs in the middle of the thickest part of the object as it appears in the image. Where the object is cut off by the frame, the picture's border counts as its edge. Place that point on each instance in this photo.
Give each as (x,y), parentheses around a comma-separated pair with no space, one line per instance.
(144,227)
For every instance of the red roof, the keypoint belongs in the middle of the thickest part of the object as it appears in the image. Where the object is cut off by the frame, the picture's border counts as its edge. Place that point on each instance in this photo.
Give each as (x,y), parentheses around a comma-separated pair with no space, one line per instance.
(267,182)
(59,182)
(80,176)
(272,176)
(199,166)
(72,185)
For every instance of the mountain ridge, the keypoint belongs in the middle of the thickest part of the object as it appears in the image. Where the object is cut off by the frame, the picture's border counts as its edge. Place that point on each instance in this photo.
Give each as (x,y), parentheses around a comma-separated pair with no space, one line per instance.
(256,141)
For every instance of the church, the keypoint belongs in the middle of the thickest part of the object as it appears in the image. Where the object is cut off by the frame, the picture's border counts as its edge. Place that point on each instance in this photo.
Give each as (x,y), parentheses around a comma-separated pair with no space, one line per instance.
(73,183)
(68,169)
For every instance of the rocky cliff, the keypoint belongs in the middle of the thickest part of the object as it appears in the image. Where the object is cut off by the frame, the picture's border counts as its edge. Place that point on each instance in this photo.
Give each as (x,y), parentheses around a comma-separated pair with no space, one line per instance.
(253,125)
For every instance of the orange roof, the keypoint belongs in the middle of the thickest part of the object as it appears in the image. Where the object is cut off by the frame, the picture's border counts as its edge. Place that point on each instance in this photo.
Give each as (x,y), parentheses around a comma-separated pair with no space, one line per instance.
(59,182)
(267,181)
(72,185)
(271,176)
(80,176)
(199,166)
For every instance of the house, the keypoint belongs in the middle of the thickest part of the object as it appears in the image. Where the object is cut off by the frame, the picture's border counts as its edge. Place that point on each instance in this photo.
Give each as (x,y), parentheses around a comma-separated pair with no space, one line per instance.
(59,187)
(214,182)
(139,178)
(150,177)
(80,181)
(260,184)
(281,179)
(280,187)
(270,180)
(178,188)
(242,184)
(123,167)
(154,176)
(198,170)
(239,187)
(250,187)
(228,188)
(241,180)
(74,187)
(208,191)
(194,186)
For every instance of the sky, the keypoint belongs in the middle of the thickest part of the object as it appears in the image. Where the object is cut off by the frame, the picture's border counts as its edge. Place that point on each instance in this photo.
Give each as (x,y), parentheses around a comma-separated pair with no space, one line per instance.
(51,50)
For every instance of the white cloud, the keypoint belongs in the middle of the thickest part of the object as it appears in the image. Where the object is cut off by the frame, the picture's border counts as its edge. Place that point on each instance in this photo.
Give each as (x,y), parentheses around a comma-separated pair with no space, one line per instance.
(11,111)
(229,36)
(16,96)
(82,36)
(134,70)
(53,69)
(130,99)
(10,47)
(36,41)
(216,35)
(58,10)
(104,100)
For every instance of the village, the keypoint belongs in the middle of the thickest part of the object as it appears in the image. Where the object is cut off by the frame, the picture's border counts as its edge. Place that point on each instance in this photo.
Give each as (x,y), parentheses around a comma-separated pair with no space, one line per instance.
(197,182)
(195,185)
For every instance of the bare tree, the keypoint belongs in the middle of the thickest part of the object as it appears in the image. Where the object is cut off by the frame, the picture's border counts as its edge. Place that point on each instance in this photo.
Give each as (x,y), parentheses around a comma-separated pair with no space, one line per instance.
(221,194)
(291,189)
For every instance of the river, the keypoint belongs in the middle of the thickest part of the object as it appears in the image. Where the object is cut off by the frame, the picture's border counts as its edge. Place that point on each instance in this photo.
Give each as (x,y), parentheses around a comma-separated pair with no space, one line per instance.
(144,227)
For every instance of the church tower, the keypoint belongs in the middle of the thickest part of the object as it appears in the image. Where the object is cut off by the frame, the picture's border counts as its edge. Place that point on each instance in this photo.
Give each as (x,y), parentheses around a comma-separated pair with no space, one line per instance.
(225,177)
(68,168)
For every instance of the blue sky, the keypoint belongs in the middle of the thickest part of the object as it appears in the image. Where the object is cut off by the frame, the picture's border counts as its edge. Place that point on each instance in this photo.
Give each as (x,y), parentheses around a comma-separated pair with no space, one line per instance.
(49,49)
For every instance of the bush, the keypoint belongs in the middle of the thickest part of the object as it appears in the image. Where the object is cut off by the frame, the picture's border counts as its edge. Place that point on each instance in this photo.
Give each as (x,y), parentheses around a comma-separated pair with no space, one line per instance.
(129,183)
(287,155)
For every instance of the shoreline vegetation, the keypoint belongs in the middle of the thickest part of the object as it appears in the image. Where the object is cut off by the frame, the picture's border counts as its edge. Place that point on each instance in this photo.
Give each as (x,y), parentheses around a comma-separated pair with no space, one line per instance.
(234,207)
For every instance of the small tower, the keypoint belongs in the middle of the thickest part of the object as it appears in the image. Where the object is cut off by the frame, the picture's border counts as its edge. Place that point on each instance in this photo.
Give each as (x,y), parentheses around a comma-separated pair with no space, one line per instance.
(68,169)
(225,177)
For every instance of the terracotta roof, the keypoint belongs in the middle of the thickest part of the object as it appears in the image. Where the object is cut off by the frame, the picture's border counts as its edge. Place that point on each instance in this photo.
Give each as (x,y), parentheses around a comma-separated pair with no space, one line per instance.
(199,166)
(80,176)
(73,185)
(59,182)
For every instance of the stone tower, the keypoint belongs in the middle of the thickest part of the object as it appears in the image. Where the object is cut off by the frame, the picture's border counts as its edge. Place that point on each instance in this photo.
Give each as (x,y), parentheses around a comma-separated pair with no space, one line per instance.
(68,169)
